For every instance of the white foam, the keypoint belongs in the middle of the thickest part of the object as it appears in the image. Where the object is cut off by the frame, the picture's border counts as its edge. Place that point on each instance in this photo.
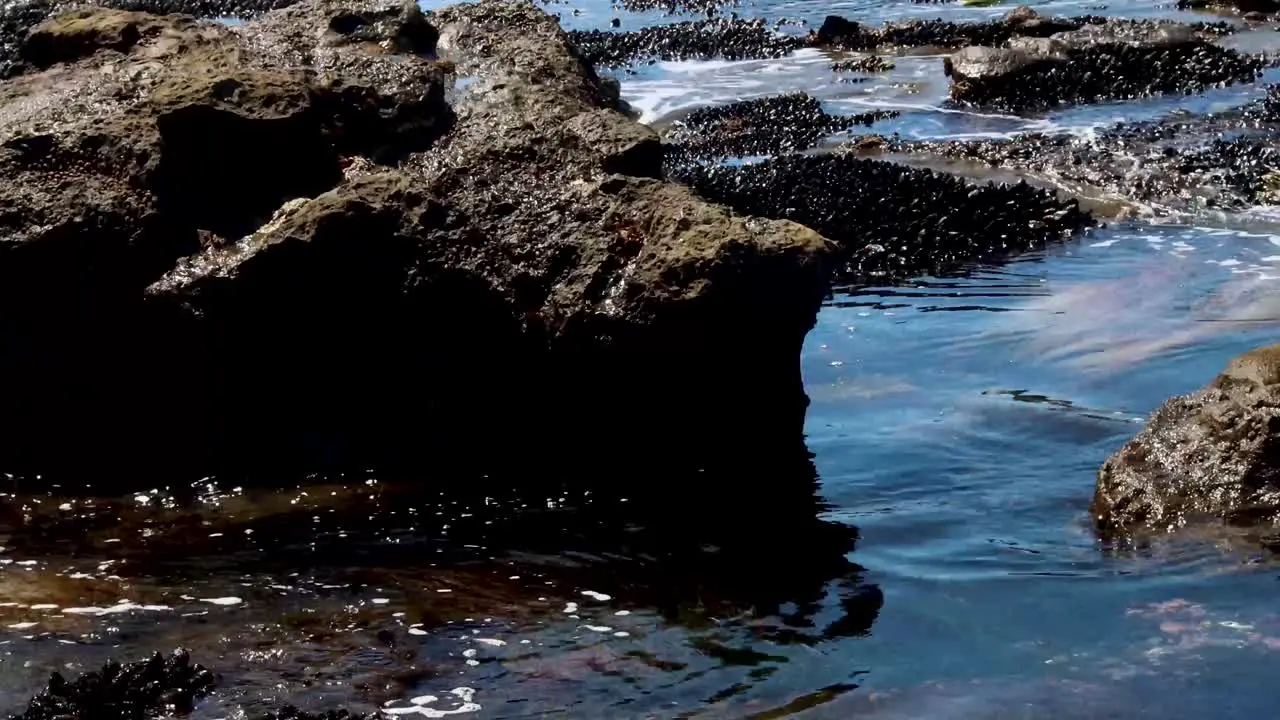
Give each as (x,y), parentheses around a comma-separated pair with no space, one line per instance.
(222,600)
(597,595)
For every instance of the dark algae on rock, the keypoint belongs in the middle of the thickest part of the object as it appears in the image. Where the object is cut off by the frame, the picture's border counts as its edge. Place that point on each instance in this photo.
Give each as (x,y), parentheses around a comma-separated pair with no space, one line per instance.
(1210,456)
(124,691)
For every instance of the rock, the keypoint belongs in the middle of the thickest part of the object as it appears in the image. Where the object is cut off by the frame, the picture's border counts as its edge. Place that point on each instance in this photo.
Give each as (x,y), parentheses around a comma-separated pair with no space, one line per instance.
(868,64)
(764,126)
(1242,6)
(1209,456)
(128,691)
(284,246)
(713,39)
(1022,22)
(893,222)
(1185,161)
(1116,59)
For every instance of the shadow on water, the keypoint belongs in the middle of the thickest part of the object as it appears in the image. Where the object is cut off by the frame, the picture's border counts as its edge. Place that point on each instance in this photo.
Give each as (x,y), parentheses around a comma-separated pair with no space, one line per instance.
(623,594)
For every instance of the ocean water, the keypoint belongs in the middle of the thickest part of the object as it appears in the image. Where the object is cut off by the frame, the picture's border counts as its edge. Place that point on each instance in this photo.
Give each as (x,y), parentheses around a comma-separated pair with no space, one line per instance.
(933,559)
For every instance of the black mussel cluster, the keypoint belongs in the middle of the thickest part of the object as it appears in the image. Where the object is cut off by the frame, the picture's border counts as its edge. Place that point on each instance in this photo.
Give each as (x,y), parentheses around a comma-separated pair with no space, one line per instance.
(290,712)
(842,33)
(893,221)
(128,691)
(716,38)
(867,64)
(708,8)
(1106,71)
(765,126)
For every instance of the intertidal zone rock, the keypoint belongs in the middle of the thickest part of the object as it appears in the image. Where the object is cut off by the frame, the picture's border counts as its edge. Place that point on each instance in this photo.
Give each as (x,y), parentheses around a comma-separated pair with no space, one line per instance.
(351,234)
(1112,60)
(1212,455)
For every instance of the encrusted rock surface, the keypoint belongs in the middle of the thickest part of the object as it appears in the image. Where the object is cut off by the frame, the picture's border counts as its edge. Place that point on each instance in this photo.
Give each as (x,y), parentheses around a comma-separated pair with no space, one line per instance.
(893,221)
(1186,162)
(128,691)
(296,242)
(1116,59)
(1212,455)
(770,125)
(715,38)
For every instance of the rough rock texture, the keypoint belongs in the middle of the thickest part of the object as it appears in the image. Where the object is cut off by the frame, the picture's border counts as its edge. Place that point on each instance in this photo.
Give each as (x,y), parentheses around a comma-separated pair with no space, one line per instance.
(1246,7)
(1097,61)
(129,691)
(1211,455)
(278,245)
(1224,160)
(1022,22)
(718,38)
(765,126)
(893,221)
(19,16)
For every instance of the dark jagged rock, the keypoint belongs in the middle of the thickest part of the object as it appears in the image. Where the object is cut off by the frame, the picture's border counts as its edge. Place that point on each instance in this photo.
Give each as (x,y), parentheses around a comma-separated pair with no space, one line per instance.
(892,221)
(869,64)
(1108,61)
(130,691)
(718,38)
(278,246)
(1211,456)
(766,126)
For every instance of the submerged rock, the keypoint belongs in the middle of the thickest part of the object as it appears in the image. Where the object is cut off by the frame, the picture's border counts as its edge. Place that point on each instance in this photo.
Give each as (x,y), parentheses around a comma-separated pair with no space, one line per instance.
(1207,456)
(280,244)
(765,126)
(1117,59)
(893,221)
(1222,160)
(128,691)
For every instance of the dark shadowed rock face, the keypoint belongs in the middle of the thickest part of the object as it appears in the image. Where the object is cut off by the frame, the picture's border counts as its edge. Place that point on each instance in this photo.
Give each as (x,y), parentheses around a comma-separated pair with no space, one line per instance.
(277,245)
(1213,455)
(129,691)
(1116,59)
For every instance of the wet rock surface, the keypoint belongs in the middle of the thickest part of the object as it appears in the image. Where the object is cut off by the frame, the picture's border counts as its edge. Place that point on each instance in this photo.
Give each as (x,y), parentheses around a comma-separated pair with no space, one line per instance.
(1117,59)
(124,691)
(839,32)
(298,191)
(1206,457)
(892,221)
(712,39)
(1186,162)
(767,126)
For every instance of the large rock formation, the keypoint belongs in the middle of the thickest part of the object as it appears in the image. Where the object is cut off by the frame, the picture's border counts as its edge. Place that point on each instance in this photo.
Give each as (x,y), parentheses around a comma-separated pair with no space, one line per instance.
(353,233)
(1211,455)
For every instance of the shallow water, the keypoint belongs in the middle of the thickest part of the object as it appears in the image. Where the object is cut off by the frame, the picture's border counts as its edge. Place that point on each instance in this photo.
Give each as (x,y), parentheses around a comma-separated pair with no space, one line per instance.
(935,559)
